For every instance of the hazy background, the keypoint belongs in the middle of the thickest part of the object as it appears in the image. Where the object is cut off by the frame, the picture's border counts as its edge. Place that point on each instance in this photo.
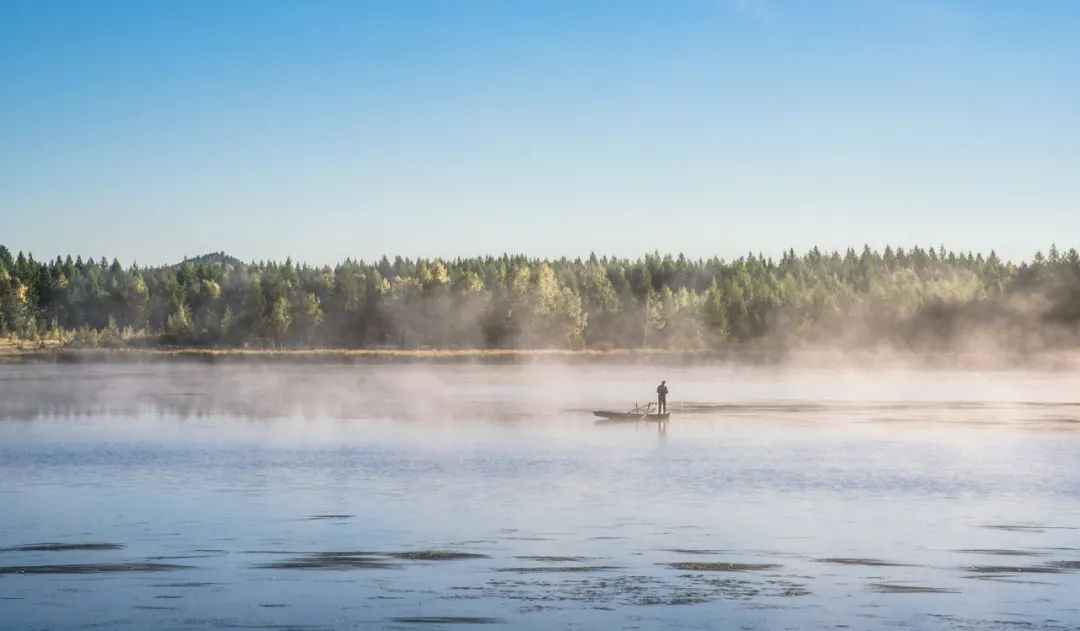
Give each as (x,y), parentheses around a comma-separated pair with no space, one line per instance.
(154,130)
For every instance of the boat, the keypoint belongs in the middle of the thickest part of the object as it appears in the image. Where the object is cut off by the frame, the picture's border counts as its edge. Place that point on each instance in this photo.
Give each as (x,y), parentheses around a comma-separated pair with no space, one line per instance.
(636,414)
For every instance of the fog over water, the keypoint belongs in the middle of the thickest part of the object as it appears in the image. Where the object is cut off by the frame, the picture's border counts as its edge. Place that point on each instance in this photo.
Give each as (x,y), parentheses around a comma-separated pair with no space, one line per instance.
(188,495)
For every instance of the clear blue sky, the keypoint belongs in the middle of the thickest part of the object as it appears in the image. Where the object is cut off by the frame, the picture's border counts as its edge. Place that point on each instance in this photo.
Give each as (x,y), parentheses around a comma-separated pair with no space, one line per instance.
(321,129)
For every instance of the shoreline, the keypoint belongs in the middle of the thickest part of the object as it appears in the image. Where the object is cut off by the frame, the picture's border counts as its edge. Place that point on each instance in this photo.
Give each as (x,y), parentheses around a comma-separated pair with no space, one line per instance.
(344,355)
(819,358)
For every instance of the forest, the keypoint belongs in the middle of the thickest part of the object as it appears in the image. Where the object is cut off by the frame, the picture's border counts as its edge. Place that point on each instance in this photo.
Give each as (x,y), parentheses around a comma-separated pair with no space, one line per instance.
(905,298)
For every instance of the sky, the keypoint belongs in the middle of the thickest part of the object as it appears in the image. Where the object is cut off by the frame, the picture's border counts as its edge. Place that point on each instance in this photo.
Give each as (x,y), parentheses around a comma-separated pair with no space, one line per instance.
(323,129)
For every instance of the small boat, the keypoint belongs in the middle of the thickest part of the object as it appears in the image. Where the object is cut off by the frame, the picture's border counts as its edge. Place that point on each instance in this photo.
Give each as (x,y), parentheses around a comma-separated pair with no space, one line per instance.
(636,414)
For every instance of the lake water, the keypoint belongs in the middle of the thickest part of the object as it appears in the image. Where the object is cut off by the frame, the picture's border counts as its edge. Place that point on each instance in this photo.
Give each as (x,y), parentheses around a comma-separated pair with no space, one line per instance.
(221,496)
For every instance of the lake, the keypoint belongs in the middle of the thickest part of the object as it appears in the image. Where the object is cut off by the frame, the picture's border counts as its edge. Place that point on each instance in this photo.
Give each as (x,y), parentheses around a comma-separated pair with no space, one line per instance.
(186,495)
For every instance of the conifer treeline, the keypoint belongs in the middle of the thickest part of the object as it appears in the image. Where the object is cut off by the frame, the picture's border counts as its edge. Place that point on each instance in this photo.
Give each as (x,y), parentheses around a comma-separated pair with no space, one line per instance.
(910,297)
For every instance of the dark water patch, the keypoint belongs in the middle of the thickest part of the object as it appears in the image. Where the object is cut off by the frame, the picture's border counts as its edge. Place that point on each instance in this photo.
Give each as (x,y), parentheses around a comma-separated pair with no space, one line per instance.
(1007,578)
(984,624)
(1012,569)
(155,608)
(181,556)
(694,551)
(552,559)
(1015,528)
(273,605)
(445,620)
(168,597)
(607,591)
(1026,527)
(62,547)
(92,568)
(1065,565)
(436,555)
(558,568)
(210,551)
(722,567)
(859,561)
(1002,552)
(328,516)
(894,588)
(224,624)
(788,589)
(330,561)
(182,585)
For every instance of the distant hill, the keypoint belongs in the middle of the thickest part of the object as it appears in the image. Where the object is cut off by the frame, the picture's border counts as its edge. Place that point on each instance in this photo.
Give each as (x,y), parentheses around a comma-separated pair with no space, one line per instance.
(213,257)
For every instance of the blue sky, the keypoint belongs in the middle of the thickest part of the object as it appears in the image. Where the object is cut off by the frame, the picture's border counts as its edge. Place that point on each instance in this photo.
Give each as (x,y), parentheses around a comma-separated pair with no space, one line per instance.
(322,129)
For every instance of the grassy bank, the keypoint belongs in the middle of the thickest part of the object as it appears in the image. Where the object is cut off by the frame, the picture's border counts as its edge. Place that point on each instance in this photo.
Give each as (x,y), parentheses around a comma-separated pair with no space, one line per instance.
(26,351)
(823,358)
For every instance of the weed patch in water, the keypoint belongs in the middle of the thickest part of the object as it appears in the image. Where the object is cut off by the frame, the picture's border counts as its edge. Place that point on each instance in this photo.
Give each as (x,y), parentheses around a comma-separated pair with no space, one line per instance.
(558,568)
(552,559)
(445,620)
(1008,578)
(722,567)
(1014,527)
(893,588)
(62,547)
(91,568)
(330,561)
(1013,569)
(857,561)
(1065,565)
(1003,552)
(693,551)
(603,592)
(435,555)
(318,517)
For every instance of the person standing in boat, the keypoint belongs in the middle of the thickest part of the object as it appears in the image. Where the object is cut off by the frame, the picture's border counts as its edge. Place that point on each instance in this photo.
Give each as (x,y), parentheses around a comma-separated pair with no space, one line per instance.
(661,398)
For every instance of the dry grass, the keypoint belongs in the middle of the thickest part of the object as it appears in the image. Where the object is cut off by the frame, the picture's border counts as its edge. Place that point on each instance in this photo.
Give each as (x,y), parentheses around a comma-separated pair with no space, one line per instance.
(11,346)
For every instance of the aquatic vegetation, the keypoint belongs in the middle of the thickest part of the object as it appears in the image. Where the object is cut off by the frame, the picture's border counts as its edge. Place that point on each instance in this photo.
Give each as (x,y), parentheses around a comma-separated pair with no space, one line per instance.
(1065,565)
(91,568)
(1014,527)
(1013,569)
(435,555)
(62,547)
(446,620)
(551,559)
(722,567)
(1003,552)
(330,561)
(894,588)
(857,561)
(559,568)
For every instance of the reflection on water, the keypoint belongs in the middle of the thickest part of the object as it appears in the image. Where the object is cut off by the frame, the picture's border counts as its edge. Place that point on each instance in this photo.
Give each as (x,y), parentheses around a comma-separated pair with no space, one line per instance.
(191,496)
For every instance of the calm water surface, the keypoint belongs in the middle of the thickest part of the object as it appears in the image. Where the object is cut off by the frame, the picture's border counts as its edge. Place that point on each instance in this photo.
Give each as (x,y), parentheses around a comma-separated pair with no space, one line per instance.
(195,496)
